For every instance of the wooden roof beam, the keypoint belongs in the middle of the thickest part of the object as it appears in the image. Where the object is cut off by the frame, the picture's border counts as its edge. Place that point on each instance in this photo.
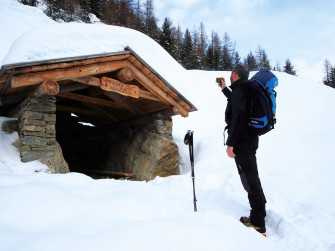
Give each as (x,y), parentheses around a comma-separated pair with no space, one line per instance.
(94,81)
(101,111)
(124,103)
(82,98)
(152,87)
(77,110)
(62,74)
(48,87)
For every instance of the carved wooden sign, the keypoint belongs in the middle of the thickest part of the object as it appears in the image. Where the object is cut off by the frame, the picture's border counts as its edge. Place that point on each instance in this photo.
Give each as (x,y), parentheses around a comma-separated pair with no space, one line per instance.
(112,85)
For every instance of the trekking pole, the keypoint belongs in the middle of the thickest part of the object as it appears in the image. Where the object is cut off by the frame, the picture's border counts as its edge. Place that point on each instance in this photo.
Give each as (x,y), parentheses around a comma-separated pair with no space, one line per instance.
(188,140)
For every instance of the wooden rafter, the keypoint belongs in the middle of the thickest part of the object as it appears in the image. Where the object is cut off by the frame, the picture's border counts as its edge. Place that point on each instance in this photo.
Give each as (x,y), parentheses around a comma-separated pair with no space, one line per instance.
(149,95)
(148,84)
(62,74)
(83,98)
(100,110)
(124,103)
(77,110)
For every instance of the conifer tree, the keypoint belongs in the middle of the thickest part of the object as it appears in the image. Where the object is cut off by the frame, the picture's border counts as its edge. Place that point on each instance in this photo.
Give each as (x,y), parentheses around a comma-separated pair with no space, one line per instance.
(251,62)
(288,67)
(227,52)
(139,17)
(29,2)
(187,57)
(327,71)
(167,40)
(111,13)
(210,58)
(217,51)
(150,21)
(97,7)
(332,76)
(83,10)
(198,55)
(262,59)
(202,46)
(178,35)
(236,59)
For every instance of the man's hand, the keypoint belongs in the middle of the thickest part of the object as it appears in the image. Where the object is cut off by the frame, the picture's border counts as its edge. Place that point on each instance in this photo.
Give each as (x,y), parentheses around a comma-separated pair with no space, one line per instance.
(223,83)
(230,152)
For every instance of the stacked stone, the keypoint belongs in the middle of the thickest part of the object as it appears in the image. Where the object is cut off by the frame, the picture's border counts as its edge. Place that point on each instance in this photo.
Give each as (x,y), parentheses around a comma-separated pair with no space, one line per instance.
(37,120)
(161,125)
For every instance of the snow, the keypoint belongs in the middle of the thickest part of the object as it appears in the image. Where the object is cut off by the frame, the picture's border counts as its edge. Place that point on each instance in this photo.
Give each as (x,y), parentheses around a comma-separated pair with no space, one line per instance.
(41,211)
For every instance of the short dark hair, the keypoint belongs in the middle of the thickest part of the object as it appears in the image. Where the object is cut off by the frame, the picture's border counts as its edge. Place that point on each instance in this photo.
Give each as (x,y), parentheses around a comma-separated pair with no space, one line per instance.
(242,71)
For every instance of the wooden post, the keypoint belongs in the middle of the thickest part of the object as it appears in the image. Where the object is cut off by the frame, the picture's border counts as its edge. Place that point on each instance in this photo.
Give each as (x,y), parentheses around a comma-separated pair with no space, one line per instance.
(48,87)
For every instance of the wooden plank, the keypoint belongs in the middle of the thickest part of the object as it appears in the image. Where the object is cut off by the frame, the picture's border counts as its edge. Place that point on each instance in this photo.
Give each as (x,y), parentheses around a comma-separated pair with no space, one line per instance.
(112,85)
(87,99)
(93,81)
(152,87)
(62,74)
(124,103)
(114,174)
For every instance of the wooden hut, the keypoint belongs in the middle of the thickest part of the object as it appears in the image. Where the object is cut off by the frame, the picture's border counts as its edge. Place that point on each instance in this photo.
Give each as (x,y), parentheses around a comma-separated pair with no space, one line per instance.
(118,94)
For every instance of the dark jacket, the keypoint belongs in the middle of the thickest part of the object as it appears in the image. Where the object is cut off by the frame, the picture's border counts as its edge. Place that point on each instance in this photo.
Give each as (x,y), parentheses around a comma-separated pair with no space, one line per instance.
(238,112)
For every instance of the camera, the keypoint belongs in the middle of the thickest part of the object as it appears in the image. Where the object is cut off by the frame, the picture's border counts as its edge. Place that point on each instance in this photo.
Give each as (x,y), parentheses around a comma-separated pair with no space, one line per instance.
(218,80)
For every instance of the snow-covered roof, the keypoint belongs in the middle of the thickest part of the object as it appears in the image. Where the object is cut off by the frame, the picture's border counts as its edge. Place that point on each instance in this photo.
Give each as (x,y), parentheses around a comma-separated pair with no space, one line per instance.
(31,36)
(49,42)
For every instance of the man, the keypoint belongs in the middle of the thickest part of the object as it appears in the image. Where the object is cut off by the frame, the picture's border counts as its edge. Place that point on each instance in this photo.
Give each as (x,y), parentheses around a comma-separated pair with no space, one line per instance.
(242,144)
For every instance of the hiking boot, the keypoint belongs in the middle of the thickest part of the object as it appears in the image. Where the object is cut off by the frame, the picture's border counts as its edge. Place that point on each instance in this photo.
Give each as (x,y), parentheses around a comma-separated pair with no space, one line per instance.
(246,222)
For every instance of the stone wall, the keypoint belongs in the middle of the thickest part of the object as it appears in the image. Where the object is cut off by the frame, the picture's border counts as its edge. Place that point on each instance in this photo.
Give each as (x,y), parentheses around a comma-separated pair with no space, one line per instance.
(143,147)
(37,132)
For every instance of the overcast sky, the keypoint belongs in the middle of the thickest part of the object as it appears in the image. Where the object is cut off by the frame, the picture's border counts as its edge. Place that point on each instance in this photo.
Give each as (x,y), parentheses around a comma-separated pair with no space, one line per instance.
(302,30)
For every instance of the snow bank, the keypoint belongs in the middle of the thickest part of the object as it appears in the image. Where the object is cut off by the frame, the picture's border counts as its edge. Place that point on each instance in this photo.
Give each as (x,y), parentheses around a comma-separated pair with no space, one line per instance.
(10,162)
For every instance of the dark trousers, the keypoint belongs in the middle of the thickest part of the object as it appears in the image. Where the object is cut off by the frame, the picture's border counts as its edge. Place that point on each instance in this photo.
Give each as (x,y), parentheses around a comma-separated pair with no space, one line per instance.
(247,168)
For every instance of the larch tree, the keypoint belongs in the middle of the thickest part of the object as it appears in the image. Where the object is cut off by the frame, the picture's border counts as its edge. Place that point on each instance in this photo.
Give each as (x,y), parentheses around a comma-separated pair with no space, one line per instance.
(227,53)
